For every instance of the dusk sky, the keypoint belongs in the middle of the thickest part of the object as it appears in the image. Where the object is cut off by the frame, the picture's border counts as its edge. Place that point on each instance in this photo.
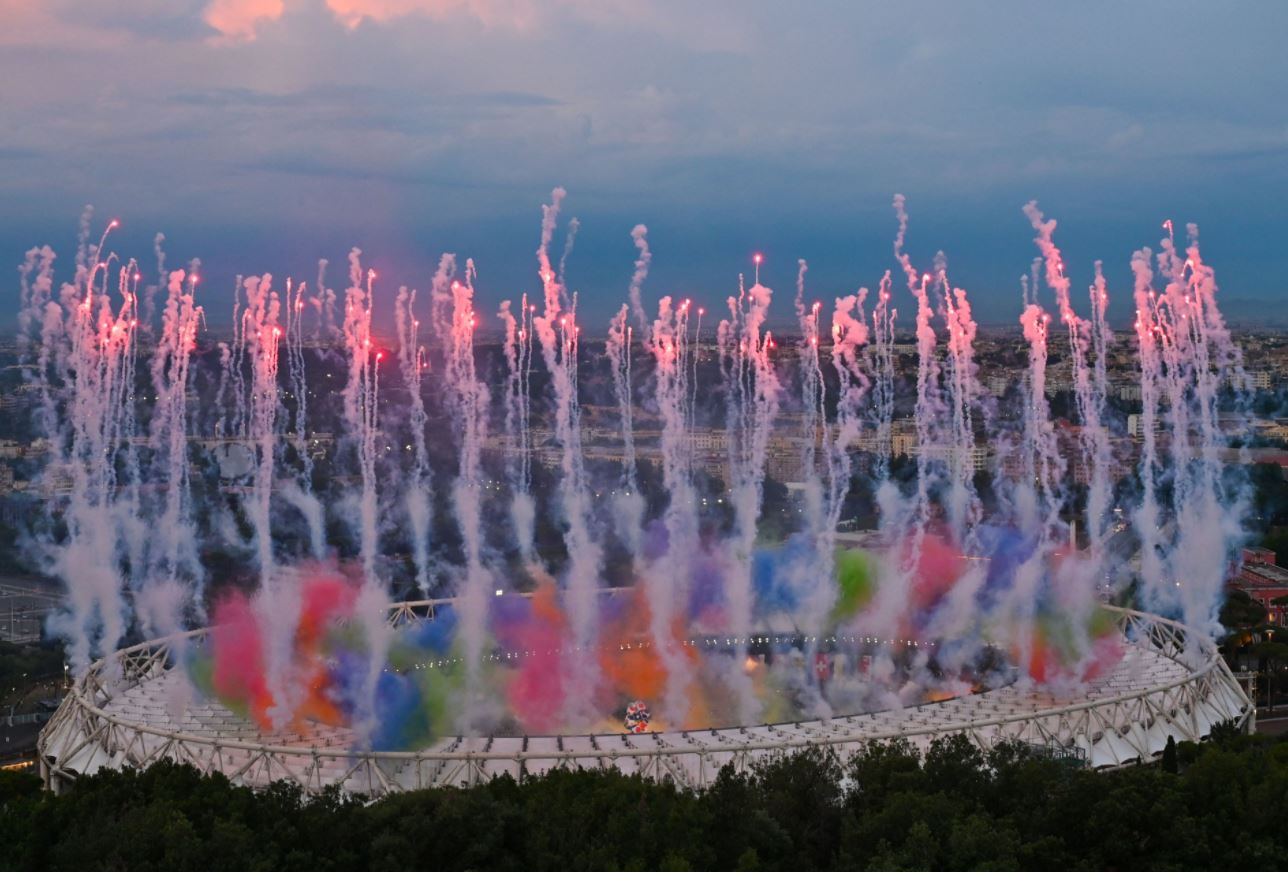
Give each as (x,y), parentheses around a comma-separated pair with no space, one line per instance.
(261,135)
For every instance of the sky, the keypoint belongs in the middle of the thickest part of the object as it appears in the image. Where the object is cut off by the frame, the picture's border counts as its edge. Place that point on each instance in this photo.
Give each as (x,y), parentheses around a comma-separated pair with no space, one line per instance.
(262,135)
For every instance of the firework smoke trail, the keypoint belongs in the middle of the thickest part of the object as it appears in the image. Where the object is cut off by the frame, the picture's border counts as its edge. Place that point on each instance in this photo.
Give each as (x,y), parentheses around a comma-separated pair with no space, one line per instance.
(1088,384)
(686,364)
(964,508)
(85,359)
(522,511)
(629,507)
(454,323)
(849,338)
(1100,494)
(956,615)
(260,337)
(38,307)
(692,376)
(558,332)
(149,303)
(175,564)
(361,414)
(295,296)
(1035,498)
(883,321)
(620,336)
(753,405)
(132,531)
(299,491)
(104,346)
(1147,517)
(325,305)
(573,226)
(1186,355)
(115,335)
(813,416)
(1039,451)
(1175,346)
(1178,375)
(1102,337)
(945,427)
(411,359)
(823,504)
(905,521)
(1210,516)
(929,405)
(219,415)
(665,581)
(551,289)
(1172,381)
(639,235)
(510,346)
(235,374)
(360,403)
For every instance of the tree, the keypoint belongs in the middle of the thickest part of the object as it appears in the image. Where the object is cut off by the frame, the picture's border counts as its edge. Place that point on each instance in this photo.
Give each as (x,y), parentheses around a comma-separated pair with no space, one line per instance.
(1241,611)
(1273,656)
(1270,494)
(885,808)
(1277,541)
(1170,763)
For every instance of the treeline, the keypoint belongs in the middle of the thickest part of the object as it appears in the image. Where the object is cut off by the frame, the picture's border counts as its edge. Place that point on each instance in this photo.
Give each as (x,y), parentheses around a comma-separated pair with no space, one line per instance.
(1223,805)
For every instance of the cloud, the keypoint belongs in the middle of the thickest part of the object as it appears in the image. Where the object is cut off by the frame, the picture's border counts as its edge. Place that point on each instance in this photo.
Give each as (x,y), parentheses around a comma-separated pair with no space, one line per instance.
(727,116)
(239,19)
(28,23)
(344,97)
(518,14)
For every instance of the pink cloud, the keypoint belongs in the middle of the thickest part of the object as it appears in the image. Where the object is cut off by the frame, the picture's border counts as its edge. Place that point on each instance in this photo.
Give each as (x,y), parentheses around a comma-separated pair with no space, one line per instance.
(504,13)
(25,21)
(238,19)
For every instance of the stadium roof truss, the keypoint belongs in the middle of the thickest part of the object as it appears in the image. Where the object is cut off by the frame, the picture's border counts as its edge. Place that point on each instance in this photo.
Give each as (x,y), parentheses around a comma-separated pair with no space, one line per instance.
(130,710)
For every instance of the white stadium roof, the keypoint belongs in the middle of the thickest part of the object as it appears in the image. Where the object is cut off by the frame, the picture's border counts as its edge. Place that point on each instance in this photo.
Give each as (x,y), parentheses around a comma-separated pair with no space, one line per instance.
(132,709)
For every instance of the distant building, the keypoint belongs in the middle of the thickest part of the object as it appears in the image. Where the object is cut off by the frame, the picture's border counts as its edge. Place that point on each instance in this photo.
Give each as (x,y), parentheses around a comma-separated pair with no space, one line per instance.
(1262,379)
(1136,425)
(1275,429)
(1261,578)
(20,400)
(976,457)
(56,481)
(903,437)
(997,384)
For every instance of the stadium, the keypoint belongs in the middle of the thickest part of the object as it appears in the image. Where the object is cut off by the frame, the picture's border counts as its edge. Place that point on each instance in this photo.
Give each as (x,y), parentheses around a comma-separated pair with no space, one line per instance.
(129,710)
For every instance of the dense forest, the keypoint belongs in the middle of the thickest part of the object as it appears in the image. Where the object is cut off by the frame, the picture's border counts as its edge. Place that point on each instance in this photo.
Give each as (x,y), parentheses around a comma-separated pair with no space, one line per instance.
(1222,805)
